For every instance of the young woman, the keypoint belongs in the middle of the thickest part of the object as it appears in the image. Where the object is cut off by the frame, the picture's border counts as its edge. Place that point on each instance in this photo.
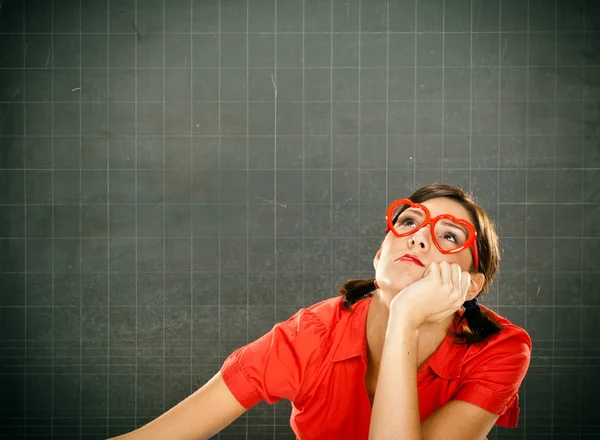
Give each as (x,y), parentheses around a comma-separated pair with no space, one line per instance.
(409,354)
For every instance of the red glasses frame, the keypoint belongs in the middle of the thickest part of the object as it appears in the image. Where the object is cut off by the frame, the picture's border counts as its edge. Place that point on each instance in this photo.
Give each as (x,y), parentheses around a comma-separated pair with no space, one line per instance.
(471,241)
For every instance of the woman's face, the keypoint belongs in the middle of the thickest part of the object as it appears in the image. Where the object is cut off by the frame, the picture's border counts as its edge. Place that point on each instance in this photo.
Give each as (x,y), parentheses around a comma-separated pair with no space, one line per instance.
(394,274)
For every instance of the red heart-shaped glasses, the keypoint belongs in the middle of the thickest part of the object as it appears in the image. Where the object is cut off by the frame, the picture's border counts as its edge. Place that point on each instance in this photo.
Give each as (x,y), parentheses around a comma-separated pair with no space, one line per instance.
(450,235)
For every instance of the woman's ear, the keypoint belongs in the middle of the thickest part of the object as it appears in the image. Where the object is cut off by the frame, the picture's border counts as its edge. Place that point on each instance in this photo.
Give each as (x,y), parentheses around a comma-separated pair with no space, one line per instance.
(477,281)
(376,259)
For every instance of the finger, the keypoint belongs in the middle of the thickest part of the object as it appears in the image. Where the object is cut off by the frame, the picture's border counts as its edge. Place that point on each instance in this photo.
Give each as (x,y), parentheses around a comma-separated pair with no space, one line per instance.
(432,270)
(457,279)
(446,274)
(465,284)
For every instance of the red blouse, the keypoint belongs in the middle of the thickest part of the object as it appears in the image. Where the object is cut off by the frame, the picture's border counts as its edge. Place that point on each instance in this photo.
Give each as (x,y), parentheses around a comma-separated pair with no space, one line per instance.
(317,359)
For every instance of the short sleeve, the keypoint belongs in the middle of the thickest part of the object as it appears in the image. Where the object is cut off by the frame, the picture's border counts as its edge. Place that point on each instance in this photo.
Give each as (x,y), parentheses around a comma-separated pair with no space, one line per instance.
(278,365)
(493,378)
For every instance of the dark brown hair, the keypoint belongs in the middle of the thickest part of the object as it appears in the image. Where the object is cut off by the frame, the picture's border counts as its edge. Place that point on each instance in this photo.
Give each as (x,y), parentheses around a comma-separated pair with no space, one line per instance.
(476,324)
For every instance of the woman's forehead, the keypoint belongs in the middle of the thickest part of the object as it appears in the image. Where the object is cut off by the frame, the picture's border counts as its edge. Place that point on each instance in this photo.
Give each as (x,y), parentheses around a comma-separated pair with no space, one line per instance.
(444,205)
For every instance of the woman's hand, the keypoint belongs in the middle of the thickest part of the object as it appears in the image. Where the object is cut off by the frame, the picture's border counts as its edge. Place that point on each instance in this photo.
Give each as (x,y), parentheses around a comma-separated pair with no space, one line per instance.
(441,292)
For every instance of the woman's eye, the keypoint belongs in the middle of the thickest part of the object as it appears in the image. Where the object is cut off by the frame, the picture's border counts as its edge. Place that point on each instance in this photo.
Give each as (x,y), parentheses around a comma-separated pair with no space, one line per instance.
(451,237)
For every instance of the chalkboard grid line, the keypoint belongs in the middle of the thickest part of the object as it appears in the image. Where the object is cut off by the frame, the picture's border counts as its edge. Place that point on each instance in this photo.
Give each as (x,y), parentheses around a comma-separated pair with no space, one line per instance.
(554,223)
(81,251)
(500,170)
(303,149)
(583,106)
(24,81)
(331,134)
(219,191)
(52,397)
(401,66)
(471,101)
(443,82)
(108,256)
(429,32)
(387,101)
(526,197)
(370,101)
(274,78)
(414,162)
(191,158)
(247,184)
(359,138)
(164,223)
(497,296)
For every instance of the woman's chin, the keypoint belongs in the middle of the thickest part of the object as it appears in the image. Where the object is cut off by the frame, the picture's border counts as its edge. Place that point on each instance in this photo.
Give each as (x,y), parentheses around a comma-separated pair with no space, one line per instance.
(397,284)
(390,291)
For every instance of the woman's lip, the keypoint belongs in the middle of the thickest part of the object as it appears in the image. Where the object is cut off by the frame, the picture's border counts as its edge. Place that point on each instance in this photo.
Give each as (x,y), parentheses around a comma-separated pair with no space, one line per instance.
(411,259)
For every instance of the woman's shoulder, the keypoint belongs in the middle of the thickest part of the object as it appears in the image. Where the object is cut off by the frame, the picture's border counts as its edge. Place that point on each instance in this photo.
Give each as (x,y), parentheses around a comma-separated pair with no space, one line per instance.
(329,318)
(491,372)
(329,311)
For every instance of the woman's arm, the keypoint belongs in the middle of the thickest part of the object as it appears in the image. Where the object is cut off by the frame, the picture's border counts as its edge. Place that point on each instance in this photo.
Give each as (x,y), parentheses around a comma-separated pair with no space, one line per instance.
(198,417)
(396,404)
(396,407)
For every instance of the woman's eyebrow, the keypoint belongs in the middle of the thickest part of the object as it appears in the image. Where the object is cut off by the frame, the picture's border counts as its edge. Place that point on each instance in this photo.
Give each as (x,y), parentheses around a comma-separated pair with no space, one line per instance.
(416,211)
(455,225)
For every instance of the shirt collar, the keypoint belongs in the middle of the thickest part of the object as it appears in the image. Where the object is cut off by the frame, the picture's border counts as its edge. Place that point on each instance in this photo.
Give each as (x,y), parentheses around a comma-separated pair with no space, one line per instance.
(448,359)
(351,337)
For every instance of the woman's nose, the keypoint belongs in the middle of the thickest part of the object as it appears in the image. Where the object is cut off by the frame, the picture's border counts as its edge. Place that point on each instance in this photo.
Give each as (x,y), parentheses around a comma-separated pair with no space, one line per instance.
(420,238)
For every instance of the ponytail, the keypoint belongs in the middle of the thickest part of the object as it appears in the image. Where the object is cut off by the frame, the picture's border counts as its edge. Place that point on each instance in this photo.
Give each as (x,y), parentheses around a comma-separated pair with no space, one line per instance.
(478,326)
(355,290)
